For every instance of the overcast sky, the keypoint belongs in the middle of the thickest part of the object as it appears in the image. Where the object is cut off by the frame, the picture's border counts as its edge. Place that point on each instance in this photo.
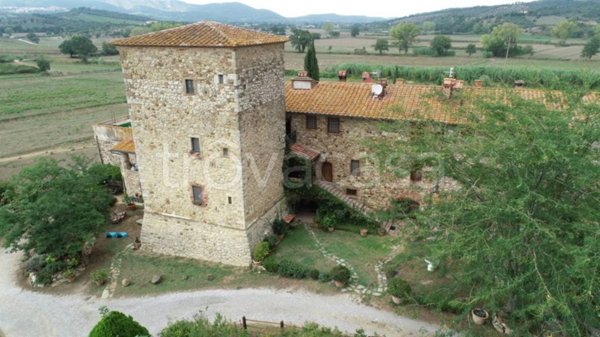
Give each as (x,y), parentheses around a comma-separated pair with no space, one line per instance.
(381,8)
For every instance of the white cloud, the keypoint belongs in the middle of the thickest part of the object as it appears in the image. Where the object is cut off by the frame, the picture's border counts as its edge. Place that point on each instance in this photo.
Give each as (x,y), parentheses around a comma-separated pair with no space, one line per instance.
(381,8)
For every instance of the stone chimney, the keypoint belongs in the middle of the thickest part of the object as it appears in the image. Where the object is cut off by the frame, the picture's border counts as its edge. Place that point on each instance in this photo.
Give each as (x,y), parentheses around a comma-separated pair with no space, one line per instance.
(450,85)
(303,73)
(303,82)
(342,75)
(366,77)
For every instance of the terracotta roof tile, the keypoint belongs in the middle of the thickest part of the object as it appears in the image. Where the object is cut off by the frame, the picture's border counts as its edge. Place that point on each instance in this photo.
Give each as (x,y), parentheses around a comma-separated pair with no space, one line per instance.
(304,151)
(202,34)
(403,101)
(124,146)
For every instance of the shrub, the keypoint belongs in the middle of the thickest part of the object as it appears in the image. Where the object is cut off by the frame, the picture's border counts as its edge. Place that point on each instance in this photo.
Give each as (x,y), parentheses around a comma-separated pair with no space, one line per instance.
(340,274)
(69,273)
(324,277)
(314,274)
(43,277)
(271,240)
(270,264)
(42,63)
(35,264)
(291,269)
(328,221)
(100,276)
(397,287)
(260,251)
(423,51)
(279,227)
(117,324)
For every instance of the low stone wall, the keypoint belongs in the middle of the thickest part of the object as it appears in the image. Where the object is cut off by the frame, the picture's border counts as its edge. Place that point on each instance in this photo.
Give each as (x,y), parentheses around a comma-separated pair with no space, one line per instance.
(262,226)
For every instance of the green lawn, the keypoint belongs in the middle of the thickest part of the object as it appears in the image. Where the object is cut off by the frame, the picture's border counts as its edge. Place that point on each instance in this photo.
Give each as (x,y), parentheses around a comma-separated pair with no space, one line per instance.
(299,246)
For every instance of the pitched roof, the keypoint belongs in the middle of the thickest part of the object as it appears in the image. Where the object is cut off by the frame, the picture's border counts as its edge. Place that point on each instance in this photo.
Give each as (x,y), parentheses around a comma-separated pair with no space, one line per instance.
(124,146)
(202,34)
(401,101)
(304,151)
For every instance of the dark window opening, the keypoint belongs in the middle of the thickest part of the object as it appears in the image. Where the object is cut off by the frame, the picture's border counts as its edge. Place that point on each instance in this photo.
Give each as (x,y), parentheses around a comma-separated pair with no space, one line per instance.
(195,145)
(333,125)
(225,152)
(355,167)
(311,122)
(221,79)
(229,200)
(351,192)
(189,87)
(198,195)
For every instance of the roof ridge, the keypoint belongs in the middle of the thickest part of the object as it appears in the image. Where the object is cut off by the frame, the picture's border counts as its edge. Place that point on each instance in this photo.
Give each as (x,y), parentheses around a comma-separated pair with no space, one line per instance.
(212,24)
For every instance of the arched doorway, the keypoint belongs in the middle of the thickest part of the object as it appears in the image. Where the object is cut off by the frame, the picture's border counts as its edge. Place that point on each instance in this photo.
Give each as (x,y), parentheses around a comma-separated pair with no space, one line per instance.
(327,171)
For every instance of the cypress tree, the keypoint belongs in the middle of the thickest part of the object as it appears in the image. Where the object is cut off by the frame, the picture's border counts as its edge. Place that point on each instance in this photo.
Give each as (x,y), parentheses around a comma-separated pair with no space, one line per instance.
(311,65)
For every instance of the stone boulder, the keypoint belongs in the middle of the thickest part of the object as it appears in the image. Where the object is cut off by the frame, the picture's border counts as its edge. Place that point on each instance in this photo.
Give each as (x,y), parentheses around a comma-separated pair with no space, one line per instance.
(156,279)
(125,282)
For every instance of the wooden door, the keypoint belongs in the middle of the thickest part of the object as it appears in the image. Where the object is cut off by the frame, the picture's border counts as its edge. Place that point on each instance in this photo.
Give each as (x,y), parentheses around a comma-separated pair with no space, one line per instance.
(327,171)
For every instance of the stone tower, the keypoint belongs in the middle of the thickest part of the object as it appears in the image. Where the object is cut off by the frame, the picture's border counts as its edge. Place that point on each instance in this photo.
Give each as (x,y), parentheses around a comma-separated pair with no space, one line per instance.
(206,102)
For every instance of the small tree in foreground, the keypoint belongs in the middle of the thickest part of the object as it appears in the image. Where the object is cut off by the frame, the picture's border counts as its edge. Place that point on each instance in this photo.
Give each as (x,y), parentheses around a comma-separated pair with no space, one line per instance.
(440,45)
(591,48)
(520,234)
(42,63)
(117,324)
(33,38)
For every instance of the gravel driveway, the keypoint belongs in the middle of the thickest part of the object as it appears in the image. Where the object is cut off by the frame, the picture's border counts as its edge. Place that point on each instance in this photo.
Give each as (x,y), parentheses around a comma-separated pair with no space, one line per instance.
(24,313)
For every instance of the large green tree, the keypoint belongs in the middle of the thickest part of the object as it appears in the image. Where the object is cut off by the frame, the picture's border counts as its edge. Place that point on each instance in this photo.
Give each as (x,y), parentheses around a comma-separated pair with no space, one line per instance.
(53,210)
(300,39)
(79,45)
(591,48)
(381,45)
(520,233)
(440,45)
(354,30)
(405,34)
(502,40)
(564,30)
(311,64)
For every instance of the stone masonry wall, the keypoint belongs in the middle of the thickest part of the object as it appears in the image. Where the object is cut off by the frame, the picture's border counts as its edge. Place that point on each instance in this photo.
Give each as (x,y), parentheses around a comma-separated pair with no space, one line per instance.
(107,136)
(376,185)
(222,116)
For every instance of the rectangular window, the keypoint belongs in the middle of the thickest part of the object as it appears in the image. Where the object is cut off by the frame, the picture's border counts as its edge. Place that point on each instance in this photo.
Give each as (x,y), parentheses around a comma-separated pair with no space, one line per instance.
(333,125)
(311,122)
(229,200)
(195,145)
(355,167)
(225,152)
(221,79)
(198,195)
(189,87)
(351,192)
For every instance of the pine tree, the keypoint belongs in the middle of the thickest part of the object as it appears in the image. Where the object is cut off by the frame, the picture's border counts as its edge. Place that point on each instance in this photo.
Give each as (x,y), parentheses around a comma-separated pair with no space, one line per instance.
(311,65)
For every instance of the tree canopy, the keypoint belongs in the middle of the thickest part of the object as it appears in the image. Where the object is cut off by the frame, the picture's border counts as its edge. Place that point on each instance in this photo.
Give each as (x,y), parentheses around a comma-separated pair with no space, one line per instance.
(564,30)
(381,45)
(79,45)
(519,234)
(591,48)
(405,33)
(471,49)
(53,210)
(503,40)
(300,39)
(440,45)
(354,30)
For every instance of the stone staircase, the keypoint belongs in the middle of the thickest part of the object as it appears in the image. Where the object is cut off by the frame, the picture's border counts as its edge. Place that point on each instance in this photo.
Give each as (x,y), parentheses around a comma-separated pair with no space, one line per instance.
(351,202)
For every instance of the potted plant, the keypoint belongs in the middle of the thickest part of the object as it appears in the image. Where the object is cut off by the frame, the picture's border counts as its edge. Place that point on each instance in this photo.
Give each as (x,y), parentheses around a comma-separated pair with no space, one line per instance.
(70,274)
(480,316)
(260,253)
(328,222)
(399,289)
(99,276)
(340,276)
(279,228)
(364,232)
(500,325)
(129,202)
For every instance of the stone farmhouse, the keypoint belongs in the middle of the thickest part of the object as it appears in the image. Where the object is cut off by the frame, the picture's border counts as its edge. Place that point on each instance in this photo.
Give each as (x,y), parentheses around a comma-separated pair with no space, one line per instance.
(209,116)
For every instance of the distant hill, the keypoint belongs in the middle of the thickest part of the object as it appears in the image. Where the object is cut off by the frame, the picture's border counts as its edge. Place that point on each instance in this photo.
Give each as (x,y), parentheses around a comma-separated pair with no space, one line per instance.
(335,18)
(535,16)
(175,10)
(76,20)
